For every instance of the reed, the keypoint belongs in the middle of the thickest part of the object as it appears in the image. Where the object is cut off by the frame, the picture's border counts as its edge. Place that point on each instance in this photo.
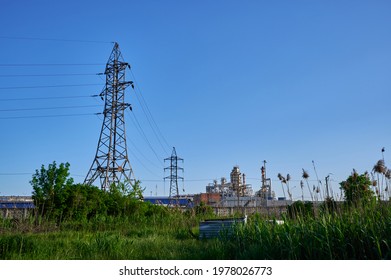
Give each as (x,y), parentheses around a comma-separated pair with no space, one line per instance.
(353,233)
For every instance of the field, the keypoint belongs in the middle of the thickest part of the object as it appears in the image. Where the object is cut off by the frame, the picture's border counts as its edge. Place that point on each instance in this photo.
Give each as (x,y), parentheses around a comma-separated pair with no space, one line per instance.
(343,233)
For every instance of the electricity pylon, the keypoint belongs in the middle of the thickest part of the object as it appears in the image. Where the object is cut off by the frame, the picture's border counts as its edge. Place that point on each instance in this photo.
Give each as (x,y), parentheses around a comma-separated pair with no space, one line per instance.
(111,164)
(174,191)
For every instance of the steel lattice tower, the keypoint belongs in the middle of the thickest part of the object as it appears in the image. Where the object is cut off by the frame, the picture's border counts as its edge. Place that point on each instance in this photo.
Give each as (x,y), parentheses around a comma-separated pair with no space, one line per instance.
(111,164)
(174,191)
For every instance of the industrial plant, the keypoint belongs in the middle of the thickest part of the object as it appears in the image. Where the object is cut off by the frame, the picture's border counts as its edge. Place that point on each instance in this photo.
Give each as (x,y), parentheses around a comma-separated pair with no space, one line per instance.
(238,196)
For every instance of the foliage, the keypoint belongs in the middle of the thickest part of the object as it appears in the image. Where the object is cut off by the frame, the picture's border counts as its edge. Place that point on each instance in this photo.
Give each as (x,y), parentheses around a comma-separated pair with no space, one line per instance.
(57,198)
(204,210)
(357,189)
(300,209)
(48,188)
(329,206)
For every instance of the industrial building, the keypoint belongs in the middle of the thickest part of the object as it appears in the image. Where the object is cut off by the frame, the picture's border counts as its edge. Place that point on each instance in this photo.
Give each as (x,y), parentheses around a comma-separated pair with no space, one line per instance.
(237,193)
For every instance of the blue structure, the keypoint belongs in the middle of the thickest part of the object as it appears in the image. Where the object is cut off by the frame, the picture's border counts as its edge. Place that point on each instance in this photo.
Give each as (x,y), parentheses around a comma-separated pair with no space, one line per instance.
(164,200)
(16,202)
(16,205)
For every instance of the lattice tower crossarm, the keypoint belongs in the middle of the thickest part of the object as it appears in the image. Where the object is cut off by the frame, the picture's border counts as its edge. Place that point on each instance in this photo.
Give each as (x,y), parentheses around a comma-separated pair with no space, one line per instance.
(111,164)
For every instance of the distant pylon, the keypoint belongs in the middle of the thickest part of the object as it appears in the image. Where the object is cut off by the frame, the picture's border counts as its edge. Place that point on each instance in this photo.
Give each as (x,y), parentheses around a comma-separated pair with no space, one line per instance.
(174,190)
(111,163)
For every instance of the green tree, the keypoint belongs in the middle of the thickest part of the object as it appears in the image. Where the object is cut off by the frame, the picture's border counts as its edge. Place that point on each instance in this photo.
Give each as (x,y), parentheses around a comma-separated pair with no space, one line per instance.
(357,189)
(48,188)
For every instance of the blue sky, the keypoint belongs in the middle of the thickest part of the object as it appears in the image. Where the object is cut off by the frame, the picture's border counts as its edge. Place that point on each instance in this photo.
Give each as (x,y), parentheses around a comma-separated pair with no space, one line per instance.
(227,82)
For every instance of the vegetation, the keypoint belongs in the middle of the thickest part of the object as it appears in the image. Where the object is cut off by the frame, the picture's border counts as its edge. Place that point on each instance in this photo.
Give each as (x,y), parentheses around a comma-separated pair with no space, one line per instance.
(357,189)
(58,199)
(75,221)
(356,233)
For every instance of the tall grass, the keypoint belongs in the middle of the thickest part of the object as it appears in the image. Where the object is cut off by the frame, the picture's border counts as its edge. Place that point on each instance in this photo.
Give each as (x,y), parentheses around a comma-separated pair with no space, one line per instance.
(343,233)
(354,233)
(166,235)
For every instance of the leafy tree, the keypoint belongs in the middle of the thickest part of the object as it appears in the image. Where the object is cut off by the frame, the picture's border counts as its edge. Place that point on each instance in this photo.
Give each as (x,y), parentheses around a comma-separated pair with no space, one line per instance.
(48,185)
(357,189)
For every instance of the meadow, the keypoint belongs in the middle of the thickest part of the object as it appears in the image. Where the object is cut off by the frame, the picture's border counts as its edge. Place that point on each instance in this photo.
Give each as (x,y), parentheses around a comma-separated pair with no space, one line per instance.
(343,233)
(75,221)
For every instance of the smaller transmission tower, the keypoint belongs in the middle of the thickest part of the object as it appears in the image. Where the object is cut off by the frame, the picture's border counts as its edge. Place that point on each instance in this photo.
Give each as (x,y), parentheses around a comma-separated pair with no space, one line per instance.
(174,191)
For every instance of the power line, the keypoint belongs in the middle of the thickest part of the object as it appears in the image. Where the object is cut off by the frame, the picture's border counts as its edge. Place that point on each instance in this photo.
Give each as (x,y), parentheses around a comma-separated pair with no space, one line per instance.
(146,167)
(47,116)
(149,122)
(48,108)
(55,39)
(52,97)
(47,64)
(49,75)
(15,174)
(49,86)
(141,153)
(149,114)
(141,131)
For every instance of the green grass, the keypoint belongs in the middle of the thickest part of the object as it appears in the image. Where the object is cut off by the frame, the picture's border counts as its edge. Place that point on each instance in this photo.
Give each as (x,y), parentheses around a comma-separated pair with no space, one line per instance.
(356,233)
(97,246)
(351,234)
(168,237)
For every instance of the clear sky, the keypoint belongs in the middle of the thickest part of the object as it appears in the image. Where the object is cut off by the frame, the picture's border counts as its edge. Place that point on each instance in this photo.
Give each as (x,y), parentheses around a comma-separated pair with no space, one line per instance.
(227,82)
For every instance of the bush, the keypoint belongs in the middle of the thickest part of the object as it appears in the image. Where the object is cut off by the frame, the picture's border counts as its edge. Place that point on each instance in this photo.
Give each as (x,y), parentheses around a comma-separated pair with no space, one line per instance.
(357,189)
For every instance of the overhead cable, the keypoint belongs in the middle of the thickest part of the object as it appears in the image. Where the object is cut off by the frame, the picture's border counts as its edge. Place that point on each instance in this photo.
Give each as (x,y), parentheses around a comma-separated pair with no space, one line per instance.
(48,108)
(55,39)
(47,64)
(48,75)
(142,133)
(148,114)
(51,97)
(49,86)
(48,116)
